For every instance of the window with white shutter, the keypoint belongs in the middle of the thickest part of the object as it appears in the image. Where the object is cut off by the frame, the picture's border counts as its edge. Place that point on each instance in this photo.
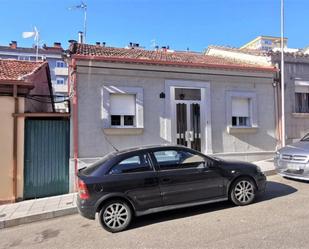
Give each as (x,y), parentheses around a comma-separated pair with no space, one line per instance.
(122,110)
(240,111)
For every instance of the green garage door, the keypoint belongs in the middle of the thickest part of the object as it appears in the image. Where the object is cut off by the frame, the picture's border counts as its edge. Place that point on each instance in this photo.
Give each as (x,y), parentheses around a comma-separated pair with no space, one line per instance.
(46,167)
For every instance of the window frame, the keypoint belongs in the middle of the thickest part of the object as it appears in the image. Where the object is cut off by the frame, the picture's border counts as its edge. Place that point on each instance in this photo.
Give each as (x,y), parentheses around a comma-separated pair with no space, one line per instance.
(303,95)
(24,57)
(122,125)
(157,164)
(253,117)
(139,108)
(301,87)
(62,62)
(60,78)
(127,156)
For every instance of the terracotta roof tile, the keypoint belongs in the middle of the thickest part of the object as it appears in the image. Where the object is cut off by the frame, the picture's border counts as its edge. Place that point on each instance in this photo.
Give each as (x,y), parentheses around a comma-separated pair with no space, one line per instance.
(16,70)
(161,57)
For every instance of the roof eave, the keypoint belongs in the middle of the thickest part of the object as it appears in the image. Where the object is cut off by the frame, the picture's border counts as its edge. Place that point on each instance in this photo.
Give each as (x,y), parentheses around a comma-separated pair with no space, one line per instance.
(169,63)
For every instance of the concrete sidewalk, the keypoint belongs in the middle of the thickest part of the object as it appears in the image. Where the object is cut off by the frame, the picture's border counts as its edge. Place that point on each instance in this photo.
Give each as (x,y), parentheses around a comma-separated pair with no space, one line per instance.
(267,166)
(37,209)
(56,206)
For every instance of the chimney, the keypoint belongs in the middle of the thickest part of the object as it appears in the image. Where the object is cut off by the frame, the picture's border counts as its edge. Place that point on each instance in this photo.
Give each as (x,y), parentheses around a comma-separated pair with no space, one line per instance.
(133,45)
(57,45)
(103,44)
(98,43)
(13,44)
(80,37)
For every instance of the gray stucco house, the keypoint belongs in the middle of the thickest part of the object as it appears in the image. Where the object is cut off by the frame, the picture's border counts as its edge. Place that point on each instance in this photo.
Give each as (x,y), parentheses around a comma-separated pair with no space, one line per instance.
(126,97)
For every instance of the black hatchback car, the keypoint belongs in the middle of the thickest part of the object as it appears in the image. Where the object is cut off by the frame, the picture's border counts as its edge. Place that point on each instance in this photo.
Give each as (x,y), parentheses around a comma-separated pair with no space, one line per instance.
(145,180)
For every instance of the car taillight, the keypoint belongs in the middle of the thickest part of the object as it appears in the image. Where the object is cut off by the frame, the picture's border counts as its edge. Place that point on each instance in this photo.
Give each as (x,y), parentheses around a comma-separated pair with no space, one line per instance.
(82,190)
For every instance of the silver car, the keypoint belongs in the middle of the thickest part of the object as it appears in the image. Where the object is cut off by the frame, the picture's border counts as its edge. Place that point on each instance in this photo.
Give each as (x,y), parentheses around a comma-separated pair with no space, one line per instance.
(292,161)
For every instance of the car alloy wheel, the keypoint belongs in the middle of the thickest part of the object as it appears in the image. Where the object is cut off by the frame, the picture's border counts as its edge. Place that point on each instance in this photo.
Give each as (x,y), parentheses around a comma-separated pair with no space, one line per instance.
(115,216)
(243,192)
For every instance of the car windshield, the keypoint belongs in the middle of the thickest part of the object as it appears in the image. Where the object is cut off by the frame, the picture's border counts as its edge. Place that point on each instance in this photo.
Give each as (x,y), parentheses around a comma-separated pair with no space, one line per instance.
(305,138)
(88,170)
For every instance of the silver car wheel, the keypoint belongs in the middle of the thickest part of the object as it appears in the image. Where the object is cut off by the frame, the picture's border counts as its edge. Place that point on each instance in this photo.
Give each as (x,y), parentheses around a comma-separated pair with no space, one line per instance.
(115,216)
(244,191)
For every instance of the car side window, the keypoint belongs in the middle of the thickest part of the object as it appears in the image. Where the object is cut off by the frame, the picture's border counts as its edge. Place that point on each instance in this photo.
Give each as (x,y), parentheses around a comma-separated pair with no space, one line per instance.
(139,163)
(178,159)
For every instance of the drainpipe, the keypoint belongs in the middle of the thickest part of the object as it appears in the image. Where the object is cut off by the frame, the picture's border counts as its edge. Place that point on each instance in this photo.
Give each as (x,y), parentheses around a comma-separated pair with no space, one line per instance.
(75,117)
(277,132)
(15,140)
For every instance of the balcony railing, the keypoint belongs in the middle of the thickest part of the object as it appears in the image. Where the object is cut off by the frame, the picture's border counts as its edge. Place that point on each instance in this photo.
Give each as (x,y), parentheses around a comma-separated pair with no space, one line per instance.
(61,71)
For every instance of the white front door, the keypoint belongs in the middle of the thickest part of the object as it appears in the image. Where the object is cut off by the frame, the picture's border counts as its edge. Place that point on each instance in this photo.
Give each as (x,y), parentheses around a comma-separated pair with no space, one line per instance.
(187,114)
(187,103)
(188,124)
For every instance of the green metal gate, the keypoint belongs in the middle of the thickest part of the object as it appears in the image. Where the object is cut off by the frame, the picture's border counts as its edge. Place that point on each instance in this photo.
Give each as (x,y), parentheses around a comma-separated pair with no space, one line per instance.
(46,164)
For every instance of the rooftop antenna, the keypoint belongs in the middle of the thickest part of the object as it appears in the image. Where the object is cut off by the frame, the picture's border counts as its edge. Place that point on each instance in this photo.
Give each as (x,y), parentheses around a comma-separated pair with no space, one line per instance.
(153,43)
(82,6)
(35,34)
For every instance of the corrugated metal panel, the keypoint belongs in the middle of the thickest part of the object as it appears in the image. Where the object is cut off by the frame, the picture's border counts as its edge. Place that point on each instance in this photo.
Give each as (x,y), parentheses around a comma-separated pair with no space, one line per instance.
(46,168)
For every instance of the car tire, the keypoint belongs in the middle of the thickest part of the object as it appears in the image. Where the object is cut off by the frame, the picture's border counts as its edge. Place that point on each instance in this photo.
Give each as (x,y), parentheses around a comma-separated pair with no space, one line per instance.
(243,191)
(115,216)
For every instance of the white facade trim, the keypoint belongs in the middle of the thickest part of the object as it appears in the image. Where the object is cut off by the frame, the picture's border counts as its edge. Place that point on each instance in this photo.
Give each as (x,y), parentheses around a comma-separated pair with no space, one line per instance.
(252,107)
(205,111)
(139,104)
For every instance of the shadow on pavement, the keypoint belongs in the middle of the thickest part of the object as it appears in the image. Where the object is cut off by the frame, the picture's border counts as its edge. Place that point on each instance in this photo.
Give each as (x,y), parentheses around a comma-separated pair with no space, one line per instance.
(179,213)
(273,190)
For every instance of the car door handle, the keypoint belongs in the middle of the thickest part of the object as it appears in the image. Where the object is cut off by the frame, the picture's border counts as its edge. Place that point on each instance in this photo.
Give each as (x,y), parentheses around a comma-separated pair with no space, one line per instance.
(151,181)
(166,180)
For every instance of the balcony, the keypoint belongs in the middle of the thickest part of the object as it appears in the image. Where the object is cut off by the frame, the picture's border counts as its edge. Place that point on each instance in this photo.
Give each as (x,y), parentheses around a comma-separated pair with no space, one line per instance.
(61,71)
(58,88)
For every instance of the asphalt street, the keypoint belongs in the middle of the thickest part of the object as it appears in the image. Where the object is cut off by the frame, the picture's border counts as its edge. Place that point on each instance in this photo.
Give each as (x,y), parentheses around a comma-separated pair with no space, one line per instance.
(278,219)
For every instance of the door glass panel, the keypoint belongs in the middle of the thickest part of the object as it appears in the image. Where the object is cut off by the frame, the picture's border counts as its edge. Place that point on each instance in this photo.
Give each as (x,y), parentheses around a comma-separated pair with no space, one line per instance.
(132,164)
(181,126)
(187,94)
(195,127)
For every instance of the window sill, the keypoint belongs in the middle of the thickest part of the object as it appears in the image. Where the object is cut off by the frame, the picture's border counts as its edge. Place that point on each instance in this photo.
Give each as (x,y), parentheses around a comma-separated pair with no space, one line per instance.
(300,115)
(241,130)
(123,131)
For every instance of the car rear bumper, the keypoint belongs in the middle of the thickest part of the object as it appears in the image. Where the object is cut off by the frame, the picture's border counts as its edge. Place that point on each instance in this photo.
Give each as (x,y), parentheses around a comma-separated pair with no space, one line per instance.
(87,211)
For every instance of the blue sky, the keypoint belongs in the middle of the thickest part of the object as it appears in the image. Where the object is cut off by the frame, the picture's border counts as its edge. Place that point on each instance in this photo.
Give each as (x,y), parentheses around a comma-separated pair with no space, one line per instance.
(181,24)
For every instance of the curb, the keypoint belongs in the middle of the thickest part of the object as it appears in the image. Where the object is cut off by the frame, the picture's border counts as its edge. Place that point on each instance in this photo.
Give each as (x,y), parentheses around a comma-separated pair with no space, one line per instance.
(270,172)
(37,217)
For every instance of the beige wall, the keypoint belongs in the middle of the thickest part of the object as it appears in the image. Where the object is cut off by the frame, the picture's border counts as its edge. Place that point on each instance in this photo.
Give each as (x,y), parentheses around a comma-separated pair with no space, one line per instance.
(6,148)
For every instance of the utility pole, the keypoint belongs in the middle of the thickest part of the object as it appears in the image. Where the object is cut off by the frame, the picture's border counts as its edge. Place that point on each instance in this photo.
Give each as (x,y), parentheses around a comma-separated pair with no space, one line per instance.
(282,77)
